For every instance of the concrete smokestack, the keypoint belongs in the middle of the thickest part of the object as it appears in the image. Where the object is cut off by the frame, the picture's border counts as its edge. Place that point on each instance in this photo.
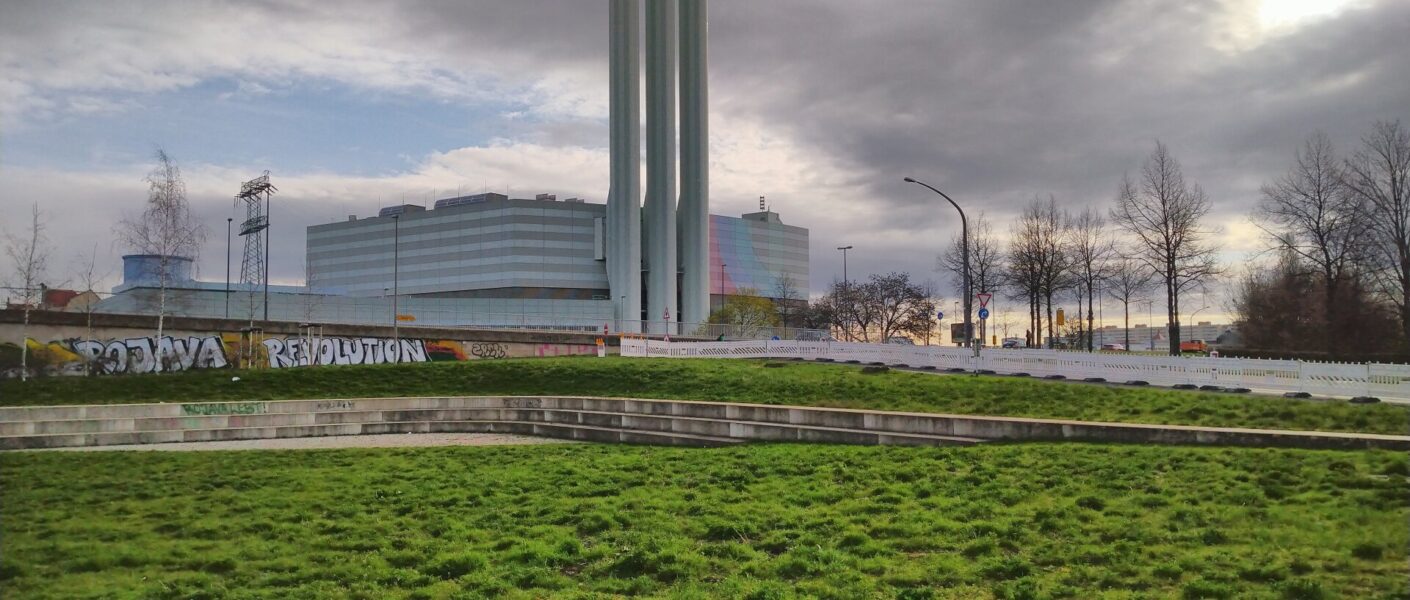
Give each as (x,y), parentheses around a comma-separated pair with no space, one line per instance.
(693,214)
(624,196)
(660,232)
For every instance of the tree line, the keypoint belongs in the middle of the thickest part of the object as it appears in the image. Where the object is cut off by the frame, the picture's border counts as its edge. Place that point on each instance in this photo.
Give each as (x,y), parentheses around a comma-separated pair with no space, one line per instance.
(1340,232)
(1338,227)
(1154,233)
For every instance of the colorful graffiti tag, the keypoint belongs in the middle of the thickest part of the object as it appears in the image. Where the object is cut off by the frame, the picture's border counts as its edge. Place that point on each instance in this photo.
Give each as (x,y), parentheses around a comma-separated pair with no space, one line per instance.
(129,355)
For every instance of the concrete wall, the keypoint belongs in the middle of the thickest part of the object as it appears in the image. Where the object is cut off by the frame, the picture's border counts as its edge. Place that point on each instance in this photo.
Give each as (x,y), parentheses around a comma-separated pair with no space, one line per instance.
(601,419)
(64,344)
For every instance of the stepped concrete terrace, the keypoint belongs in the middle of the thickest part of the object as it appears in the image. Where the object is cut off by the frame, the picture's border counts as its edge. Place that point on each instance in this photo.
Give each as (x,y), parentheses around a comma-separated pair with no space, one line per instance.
(618,420)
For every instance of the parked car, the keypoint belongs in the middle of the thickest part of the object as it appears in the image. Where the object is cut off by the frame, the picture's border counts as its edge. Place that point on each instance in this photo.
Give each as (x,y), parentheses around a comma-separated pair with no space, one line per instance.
(1114,347)
(1015,343)
(904,341)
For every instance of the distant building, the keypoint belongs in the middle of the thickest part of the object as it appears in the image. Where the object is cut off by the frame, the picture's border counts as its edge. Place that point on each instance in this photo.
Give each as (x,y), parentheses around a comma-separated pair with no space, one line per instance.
(1143,336)
(490,246)
(485,260)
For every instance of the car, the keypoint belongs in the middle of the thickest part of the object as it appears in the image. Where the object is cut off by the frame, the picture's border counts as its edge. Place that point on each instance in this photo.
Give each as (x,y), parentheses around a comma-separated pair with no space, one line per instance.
(1014,343)
(904,341)
(1114,347)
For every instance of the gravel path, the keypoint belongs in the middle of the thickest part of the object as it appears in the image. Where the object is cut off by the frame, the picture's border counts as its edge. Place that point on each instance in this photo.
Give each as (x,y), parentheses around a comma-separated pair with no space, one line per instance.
(394,440)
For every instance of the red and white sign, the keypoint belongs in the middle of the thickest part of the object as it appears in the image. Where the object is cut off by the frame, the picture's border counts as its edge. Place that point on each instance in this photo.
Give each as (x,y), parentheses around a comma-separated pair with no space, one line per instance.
(984,299)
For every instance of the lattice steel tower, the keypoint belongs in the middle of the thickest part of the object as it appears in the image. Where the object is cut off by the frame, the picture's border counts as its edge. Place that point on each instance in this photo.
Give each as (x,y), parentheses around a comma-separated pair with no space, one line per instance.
(254,267)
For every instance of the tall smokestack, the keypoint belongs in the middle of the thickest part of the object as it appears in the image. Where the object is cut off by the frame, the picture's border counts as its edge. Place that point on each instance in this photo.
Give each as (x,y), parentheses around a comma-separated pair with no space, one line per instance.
(624,196)
(693,213)
(661,163)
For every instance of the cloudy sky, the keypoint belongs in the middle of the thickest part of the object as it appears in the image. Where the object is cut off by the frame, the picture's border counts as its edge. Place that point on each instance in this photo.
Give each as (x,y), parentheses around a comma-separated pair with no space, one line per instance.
(820,105)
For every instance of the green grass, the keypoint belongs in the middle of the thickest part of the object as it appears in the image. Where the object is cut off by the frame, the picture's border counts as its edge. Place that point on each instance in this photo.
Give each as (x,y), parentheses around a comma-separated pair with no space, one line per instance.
(759,521)
(727,380)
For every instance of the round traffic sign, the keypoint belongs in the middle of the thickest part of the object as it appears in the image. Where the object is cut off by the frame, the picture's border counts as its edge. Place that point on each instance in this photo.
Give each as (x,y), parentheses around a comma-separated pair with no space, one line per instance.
(983,313)
(940,314)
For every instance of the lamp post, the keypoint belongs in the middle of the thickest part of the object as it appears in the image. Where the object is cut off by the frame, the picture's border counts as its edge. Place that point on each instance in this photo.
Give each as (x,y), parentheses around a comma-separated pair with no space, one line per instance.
(722,285)
(228,221)
(964,243)
(846,287)
(1191,325)
(1150,323)
(396,276)
(844,250)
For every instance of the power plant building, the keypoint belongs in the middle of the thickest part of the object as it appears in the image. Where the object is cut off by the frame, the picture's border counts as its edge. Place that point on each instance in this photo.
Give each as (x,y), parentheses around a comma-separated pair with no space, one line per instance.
(517,255)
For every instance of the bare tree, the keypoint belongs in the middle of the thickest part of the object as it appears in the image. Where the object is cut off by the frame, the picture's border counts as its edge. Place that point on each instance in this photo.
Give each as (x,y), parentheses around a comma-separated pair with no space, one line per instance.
(1039,261)
(898,304)
(165,229)
(986,261)
(1091,248)
(89,276)
(1024,275)
(1127,282)
(786,297)
(1163,214)
(1310,213)
(1378,175)
(29,257)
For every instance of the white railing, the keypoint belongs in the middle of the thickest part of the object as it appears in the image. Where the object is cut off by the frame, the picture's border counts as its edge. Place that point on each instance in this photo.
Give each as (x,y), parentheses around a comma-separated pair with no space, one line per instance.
(1386,381)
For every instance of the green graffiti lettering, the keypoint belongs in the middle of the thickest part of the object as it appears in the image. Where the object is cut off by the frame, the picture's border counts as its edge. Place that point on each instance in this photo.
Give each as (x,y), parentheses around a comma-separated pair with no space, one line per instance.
(238,408)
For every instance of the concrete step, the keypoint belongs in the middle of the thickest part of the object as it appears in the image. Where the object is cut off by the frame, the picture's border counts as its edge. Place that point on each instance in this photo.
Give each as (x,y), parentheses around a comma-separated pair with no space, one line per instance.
(619,419)
(776,427)
(555,430)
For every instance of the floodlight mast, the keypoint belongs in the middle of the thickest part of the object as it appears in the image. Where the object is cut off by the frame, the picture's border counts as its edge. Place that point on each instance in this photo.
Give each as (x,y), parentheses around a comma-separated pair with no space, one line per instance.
(254,266)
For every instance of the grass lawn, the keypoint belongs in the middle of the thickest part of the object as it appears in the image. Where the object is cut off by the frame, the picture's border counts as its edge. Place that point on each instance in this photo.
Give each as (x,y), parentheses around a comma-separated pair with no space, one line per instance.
(726,380)
(759,521)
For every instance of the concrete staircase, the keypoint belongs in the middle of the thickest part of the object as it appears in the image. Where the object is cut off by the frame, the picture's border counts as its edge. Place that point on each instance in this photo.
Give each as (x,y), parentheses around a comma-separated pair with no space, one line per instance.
(617,420)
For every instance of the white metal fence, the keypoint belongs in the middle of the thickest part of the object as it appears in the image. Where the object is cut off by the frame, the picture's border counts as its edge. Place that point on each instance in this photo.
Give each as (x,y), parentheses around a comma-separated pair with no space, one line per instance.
(1325,379)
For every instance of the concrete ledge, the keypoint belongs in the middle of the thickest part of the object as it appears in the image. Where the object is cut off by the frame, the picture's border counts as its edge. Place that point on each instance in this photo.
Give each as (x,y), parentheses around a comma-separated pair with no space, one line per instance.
(625,420)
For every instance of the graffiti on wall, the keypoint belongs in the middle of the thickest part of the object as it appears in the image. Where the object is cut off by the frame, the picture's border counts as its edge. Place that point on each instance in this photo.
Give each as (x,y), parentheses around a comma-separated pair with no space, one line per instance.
(488,350)
(303,352)
(128,355)
(152,355)
(136,355)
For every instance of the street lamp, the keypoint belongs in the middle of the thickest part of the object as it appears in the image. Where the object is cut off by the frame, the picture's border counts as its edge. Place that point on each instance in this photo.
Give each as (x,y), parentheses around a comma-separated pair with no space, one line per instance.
(228,221)
(844,250)
(1191,325)
(722,285)
(846,287)
(964,236)
(396,277)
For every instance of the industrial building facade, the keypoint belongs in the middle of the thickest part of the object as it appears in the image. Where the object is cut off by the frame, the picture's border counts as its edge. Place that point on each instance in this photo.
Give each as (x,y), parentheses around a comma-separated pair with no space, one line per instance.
(494,247)
(515,250)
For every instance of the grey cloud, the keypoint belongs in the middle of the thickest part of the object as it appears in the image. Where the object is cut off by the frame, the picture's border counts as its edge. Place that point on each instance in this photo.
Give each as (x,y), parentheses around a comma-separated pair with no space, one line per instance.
(993,101)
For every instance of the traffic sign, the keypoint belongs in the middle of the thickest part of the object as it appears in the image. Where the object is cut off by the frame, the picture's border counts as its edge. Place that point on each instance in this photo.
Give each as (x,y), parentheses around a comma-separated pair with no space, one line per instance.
(940,314)
(983,299)
(983,313)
